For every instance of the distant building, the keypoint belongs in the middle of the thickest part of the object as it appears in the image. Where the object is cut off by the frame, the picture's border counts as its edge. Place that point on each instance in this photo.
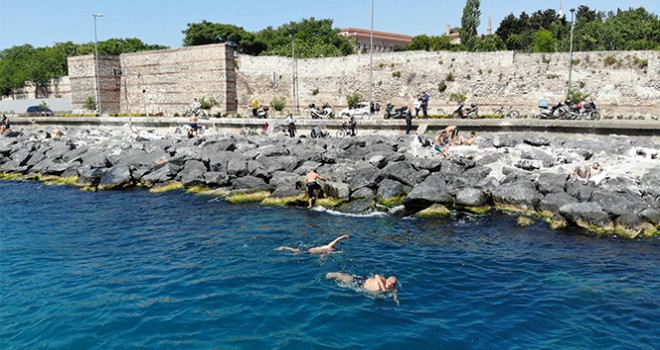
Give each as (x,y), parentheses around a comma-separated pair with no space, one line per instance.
(382,41)
(455,36)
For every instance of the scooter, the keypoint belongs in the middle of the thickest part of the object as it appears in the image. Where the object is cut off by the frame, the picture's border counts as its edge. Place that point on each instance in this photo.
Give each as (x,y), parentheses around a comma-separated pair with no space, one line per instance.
(547,112)
(399,113)
(325,112)
(262,112)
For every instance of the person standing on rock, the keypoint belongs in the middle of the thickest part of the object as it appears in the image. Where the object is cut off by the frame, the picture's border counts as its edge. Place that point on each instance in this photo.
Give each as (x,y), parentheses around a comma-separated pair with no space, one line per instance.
(312,186)
(425,104)
(417,105)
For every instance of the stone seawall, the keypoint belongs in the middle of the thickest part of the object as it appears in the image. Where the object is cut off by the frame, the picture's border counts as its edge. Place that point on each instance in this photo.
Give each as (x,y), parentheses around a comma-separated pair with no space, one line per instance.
(166,81)
(626,83)
(526,174)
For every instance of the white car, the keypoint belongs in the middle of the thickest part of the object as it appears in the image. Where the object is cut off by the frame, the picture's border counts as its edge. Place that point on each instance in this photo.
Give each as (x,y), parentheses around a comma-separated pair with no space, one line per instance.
(361,109)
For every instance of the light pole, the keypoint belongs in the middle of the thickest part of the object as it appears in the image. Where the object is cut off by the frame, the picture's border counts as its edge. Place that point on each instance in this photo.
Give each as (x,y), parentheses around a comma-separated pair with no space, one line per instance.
(371,62)
(570,56)
(294,75)
(96,63)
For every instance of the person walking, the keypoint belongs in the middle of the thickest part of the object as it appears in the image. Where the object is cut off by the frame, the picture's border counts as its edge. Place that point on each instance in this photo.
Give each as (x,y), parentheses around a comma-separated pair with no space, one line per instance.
(255,106)
(425,104)
(418,105)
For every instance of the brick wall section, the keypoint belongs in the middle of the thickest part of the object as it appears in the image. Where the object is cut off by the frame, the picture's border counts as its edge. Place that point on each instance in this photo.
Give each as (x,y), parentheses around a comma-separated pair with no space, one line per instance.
(82,77)
(620,82)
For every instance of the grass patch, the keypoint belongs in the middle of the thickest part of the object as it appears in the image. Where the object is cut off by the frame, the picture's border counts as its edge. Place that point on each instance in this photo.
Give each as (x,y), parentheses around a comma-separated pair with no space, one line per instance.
(7,177)
(247,197)
(285,201)
(436,211)
(392,202)
(479,210)
(171,186)
(524,221)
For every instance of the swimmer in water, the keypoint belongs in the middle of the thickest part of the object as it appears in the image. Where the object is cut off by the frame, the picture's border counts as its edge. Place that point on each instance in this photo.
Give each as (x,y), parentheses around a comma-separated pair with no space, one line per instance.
(377,284)
(324,249)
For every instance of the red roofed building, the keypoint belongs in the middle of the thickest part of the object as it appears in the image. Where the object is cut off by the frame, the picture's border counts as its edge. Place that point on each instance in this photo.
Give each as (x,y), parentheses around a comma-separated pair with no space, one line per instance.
(382,41)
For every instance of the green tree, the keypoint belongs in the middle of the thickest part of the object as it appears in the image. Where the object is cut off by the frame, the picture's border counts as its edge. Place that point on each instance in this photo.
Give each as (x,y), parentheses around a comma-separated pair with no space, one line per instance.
(312,38)
(544,41)
(205,33)
(470,20)
(487,43)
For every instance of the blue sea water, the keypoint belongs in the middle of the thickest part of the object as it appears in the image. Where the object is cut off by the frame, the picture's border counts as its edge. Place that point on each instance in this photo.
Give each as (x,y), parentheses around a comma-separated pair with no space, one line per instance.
(133,270)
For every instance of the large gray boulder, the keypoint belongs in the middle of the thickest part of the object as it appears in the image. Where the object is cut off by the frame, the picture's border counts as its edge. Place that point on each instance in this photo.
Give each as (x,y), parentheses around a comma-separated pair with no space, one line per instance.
(250,182)
(618,204)
(388,189)
(365,175)
(404,173)
(117,177)
(359,206)
(555,200)
(336,190)
(471,197)
(517,195)
(430,191)
(163,174)
(588,215)
(550,183)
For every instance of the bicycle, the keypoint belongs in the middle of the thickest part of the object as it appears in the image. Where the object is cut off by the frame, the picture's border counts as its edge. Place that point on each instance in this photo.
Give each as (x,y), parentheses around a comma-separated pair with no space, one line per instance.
(508,113)
(346,130)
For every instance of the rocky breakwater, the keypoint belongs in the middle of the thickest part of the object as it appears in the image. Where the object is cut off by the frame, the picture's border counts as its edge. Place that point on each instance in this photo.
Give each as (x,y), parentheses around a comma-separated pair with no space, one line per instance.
(527,175)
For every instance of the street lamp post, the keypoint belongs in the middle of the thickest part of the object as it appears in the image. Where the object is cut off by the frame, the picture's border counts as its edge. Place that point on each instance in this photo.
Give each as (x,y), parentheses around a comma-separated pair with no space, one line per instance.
(96,63)
(294,75)
(570,56)
(371,62)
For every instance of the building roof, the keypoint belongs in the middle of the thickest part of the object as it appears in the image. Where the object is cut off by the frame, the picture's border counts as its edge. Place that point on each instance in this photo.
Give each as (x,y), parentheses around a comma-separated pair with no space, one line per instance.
(366,34)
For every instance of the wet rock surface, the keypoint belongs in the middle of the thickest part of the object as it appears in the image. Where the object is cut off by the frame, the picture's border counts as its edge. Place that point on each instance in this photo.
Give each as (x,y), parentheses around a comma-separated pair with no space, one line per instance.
(527,173)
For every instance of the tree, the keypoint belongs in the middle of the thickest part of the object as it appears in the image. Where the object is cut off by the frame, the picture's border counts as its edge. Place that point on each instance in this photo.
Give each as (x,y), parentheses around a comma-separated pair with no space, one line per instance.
(544,41)
(470,20)
(487,43)
(313,38)
(205,33)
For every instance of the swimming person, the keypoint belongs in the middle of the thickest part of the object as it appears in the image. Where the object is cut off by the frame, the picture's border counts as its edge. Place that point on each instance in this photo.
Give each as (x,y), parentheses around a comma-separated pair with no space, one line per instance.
(324,249)
(312,186)
(377,284)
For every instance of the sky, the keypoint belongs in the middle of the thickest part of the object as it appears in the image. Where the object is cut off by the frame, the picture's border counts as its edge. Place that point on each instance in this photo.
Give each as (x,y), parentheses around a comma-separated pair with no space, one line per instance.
(42,23)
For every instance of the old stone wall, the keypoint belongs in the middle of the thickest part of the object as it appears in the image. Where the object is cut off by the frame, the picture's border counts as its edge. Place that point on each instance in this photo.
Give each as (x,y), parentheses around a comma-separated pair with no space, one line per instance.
(620,82)
(167,81)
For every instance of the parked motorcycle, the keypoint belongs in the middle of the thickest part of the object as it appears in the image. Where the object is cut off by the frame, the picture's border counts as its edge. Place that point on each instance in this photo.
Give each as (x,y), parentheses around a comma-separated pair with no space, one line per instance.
(589,111)
(471,112)
(325,112)
(399,113)
(262,112)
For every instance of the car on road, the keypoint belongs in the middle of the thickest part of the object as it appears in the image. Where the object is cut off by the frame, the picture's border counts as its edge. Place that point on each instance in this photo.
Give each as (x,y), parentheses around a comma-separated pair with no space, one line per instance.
(39,111)
(361,109)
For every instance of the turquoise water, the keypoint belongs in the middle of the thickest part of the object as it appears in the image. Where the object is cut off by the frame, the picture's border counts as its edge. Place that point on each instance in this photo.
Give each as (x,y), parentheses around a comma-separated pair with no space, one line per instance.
(119,270)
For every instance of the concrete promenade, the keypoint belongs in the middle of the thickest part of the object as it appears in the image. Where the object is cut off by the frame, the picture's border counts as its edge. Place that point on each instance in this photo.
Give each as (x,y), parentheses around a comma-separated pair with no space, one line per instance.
(376,125)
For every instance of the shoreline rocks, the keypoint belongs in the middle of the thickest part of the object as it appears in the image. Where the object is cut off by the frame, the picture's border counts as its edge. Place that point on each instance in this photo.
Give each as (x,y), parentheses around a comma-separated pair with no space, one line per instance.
(403,175)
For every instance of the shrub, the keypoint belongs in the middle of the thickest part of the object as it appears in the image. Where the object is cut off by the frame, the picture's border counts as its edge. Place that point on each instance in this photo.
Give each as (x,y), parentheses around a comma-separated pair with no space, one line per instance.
(442,86)
(278,104)
(315,92)
(610,60)
(552,76)
(204,104)
(450,77)
(457,97)
(577,95)
(353,99)
(90,103)
(396,74)
(641,63)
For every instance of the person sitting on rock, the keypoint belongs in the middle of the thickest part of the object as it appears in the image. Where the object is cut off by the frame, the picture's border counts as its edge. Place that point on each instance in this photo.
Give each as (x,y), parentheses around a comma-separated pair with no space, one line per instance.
(5,127)
(586,172)
(324,249)
(57,133)
(441,143)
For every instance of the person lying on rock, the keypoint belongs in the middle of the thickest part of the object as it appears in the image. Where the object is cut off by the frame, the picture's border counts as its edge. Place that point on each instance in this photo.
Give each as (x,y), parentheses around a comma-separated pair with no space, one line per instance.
(466,142)
(586,172)
(377,284)
(324,249)
(312,186)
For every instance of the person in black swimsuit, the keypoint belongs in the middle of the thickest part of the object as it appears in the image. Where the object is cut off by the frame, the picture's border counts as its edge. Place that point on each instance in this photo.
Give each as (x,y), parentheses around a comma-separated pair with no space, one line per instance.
(313,187)
(330,247)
